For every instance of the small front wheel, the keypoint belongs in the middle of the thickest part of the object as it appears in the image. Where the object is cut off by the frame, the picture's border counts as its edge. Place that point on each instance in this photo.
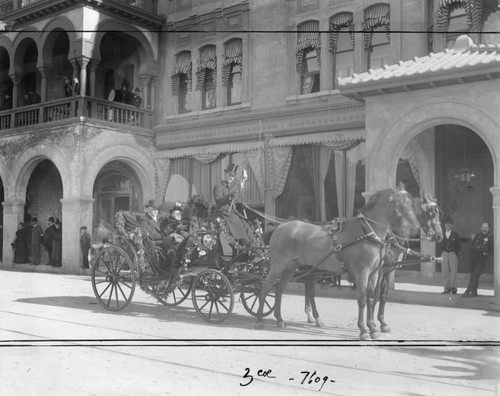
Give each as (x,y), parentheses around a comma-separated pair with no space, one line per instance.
(113,278)
(250,300)
(212,296)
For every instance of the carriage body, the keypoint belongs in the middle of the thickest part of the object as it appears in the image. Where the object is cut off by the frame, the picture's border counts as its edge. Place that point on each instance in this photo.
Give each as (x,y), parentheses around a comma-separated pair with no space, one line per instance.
(200,270)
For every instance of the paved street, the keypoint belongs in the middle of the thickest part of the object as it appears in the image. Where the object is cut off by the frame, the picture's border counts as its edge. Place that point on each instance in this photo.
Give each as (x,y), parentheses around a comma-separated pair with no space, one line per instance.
(57,340)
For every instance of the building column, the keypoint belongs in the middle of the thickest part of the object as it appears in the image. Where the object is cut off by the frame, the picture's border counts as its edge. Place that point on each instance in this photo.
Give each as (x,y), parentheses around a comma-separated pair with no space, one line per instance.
(44,72)
(84,61)
(16,79)
(221,89)
(13,214)
(92,67)
(146,92)
(153,92)
(325,59)
(76,212)
(495,191)
(269,198)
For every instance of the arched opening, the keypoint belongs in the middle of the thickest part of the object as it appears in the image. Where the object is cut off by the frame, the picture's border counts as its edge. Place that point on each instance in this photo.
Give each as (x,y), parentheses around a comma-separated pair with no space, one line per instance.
(461,174)
(43,201)
(61,66)
(6,84)
(31,80)
(117,187)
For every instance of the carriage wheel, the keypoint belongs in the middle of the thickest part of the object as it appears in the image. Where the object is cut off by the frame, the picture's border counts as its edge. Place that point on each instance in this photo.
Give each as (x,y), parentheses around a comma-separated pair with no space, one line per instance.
(250,300)
(113,278)
(178,295)
(212,295)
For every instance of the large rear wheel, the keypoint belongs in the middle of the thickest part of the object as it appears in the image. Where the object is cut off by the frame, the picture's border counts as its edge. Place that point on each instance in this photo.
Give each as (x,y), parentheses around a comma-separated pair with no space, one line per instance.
(113,278)
(212,296)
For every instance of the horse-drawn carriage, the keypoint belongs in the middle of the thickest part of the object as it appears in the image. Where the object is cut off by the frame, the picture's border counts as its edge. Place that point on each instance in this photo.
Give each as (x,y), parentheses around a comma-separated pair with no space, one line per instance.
(200,269)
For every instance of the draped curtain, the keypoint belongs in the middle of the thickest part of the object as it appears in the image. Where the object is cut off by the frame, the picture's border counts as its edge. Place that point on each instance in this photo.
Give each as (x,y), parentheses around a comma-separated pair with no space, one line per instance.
(183,65)
(339,21)
(473,10)
(233,55)
(208,60)
(375,16)
(308,38)
(318,159)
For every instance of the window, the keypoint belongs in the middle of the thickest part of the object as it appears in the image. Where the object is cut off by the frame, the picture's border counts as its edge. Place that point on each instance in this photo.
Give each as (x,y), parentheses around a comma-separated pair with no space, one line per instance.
(379,51)
(208,91)
(457,26)
(184,100)
(344,55)
(377,25)
(308,56)
(234,85)
(182,81)
(310,72)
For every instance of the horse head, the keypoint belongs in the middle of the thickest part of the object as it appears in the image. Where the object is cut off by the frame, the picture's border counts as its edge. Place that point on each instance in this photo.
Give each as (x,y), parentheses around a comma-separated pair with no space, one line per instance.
(428,214)
(404,221)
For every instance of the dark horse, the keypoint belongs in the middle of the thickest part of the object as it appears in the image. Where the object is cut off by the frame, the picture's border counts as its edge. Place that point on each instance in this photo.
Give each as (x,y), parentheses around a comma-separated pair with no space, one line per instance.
(360,246)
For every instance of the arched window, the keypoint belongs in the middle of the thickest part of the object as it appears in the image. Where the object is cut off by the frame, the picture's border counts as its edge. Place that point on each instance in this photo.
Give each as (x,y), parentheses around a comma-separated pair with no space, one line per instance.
(182,81)
(232,76)
(377,25)
(308,56)
(207,77)
(342,44)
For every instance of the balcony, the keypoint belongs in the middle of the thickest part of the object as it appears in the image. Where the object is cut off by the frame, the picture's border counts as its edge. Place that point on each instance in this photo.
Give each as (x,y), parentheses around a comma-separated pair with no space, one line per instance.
(110,113)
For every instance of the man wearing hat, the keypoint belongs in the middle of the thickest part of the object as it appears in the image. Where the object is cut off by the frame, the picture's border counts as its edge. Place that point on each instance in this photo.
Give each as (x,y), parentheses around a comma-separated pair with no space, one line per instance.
(48,237)
(36,239)
(450,247)
(224,193)
(85,245)
(175,229)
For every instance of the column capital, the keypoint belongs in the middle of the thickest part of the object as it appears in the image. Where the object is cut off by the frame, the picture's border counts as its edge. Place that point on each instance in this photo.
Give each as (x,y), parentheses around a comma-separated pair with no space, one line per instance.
(495,191)
(13,207)
(93,65)
(16,78)
(84,61)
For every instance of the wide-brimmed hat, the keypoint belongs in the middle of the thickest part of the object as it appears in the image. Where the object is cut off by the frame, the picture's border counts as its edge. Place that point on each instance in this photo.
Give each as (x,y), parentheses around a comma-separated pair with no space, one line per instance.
(152,204)
(231,169)
(51,219)
(177,206)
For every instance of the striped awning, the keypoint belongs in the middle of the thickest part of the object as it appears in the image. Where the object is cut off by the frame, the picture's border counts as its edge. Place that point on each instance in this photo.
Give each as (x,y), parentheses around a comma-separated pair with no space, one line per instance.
(375,16)
(208,60)
(339,21)
(308,38)
(183,65)
(233,147)
(339,140)
(233,55)
(473,10)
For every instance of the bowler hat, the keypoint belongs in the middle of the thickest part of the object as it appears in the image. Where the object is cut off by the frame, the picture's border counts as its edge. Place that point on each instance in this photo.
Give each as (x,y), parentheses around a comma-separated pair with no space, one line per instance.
(177,206)
(83,227)
(125,82)
(34,220)
(51,219)
(152,204)
(231,168)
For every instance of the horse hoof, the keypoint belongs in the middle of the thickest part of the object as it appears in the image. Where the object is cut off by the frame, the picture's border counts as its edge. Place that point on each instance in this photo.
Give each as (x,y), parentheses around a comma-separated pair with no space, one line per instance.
(385,329)
(310,319)
(281,325)
(259,326)
(374,335)
(319,323)
(364,337)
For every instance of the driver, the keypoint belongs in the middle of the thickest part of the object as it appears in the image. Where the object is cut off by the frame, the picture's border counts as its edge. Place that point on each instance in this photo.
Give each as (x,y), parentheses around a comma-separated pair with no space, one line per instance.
(224,193)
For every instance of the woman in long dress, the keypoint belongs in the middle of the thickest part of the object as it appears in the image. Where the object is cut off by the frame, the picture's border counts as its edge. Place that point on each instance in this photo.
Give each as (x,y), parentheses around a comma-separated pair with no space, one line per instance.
(20,245)
(57,245)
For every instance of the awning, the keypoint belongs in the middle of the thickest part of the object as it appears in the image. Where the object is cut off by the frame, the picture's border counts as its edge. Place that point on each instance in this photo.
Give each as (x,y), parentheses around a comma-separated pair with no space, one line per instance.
(223,148)
(349,136)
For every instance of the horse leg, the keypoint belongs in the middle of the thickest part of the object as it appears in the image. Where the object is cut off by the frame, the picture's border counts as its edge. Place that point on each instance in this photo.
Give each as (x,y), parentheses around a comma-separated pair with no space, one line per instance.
(280,288)
(384,289)
(267,285)
(361,286)
(307,303)
(371,300)
(310,293)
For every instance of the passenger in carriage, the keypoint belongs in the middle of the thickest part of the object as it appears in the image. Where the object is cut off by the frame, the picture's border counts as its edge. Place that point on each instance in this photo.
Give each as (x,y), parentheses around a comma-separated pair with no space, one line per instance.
(174,226)
(224,194)
(150,223)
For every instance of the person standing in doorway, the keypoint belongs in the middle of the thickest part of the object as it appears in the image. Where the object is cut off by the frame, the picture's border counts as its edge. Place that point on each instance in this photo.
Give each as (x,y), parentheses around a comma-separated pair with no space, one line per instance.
(57,244)
(20,245)
(481,249)
(85,245)
(450,247)
(36,240)
(47,238)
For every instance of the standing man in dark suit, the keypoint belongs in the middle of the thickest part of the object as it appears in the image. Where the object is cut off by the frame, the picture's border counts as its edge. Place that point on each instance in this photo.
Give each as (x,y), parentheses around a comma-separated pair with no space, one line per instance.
(85,245)
(48,237)
(36,240)
(481,248)
(450,249)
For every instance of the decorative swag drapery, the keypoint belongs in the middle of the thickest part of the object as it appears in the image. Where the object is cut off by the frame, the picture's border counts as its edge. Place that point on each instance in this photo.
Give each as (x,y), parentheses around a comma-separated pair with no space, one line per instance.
(308,38)
(208,60)
(339,21)
(183,65)
(233,55)
(375,16)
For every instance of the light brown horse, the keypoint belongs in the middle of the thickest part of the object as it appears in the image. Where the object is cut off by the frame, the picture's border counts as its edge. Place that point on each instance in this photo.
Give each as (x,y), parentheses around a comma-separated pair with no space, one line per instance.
(360,246)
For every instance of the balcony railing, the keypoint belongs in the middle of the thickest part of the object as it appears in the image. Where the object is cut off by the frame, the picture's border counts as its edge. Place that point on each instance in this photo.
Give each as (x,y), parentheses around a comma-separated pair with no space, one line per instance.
(70,108)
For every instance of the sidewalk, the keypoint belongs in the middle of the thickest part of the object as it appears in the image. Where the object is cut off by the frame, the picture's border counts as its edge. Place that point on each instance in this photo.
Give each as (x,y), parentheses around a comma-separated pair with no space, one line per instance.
(411,289)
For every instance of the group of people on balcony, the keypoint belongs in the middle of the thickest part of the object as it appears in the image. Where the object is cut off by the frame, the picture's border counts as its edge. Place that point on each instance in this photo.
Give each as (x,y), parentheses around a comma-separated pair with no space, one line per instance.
(123,95)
